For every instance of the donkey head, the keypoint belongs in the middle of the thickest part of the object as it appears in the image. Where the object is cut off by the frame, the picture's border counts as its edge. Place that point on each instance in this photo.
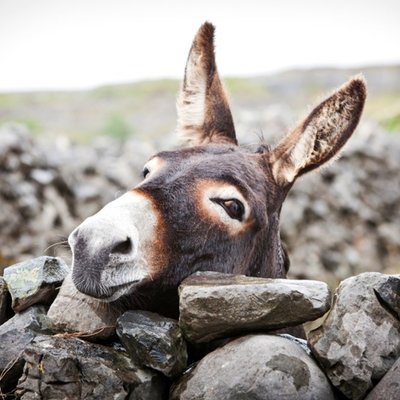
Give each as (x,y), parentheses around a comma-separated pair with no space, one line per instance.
(212,206)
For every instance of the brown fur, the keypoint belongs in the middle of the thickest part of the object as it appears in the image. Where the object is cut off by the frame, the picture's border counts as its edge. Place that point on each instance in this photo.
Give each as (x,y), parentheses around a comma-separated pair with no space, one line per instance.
(187,239)
(216,126)
(331,122)
(158,253)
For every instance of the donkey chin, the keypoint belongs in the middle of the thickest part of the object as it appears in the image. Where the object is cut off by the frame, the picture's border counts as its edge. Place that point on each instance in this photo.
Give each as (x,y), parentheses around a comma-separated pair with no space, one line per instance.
(111,248)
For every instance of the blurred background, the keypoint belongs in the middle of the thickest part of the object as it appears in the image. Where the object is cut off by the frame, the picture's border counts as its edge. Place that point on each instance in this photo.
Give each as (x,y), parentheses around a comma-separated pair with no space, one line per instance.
(88,90)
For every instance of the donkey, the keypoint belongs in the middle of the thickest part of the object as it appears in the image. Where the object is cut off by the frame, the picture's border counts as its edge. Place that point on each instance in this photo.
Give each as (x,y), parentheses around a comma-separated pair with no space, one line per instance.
(213,206)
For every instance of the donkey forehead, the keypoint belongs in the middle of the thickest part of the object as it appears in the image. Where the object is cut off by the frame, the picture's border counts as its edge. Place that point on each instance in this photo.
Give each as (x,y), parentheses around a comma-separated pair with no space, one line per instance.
(183,181)
(222,162)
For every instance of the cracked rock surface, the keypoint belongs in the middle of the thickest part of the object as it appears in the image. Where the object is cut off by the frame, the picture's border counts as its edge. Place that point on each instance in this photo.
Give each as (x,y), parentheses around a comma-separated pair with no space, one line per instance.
(257,367)
(154,341)
(15,336)
(214,305)
(389,386)
(35,281)
(72,311)
(360,339)
(70,368)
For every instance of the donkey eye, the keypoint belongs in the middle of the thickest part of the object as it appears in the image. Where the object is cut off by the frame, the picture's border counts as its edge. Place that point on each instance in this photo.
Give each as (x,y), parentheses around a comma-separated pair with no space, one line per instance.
(233,207)
(145,172)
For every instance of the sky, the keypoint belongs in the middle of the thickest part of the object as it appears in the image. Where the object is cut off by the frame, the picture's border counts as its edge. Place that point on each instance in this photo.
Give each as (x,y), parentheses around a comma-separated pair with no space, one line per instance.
(79,44)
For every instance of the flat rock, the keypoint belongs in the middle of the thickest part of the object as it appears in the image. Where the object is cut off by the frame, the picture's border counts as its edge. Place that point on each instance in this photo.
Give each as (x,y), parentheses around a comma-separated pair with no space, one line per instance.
(35,281)
(15,336)
(153,341)
(214,305)
(74,312)
(388,387)
(257,367)
(70,368)
(360,339)
(5,302)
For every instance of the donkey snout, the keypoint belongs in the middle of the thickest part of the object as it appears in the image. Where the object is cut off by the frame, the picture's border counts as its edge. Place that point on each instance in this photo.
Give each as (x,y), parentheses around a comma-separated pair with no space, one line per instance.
(93,241)
(109,249)
(101,250)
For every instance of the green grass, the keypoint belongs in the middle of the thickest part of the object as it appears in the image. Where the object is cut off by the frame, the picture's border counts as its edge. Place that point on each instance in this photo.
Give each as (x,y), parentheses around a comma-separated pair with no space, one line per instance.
(392,124)
(385,108)
(146,109)
(138,90)
(8,100)
(34,126)
(245,87)
(117,126)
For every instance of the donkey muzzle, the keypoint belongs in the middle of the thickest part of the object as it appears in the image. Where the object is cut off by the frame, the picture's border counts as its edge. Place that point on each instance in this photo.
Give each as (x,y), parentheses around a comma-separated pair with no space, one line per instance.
(108,248)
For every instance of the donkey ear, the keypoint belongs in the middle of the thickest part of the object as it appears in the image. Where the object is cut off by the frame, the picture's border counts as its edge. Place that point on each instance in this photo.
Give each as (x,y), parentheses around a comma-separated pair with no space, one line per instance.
(203,111)
(321,135)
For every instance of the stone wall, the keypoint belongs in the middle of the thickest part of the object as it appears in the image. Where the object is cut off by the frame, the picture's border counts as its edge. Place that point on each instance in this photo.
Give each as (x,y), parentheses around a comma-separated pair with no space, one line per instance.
(224,346)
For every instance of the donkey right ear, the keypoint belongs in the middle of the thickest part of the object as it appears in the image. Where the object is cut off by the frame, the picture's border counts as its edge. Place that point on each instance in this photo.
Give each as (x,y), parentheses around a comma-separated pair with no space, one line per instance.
(321,135)
(203,111)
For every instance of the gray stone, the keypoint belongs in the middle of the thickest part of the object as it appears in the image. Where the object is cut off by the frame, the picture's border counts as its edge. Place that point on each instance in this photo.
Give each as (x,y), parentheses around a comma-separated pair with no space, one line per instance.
(42,176)
(388,295)
(70,368)
(15,335)
(5,302)
(35,281)
(360,339)
(74,312)
(214,305)
(257,367)
(153,341)
(85,192)
(388,387)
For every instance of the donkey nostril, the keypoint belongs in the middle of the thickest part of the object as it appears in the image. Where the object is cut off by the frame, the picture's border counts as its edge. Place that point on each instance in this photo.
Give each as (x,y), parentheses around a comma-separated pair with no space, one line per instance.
(124,247)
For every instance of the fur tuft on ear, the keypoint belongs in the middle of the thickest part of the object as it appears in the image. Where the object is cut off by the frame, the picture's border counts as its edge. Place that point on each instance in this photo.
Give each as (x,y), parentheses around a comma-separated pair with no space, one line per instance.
(203,110)
(321,135)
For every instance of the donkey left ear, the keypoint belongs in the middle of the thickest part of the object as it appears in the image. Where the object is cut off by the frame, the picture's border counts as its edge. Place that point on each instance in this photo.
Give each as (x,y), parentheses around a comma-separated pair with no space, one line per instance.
(203,111)
(321,135)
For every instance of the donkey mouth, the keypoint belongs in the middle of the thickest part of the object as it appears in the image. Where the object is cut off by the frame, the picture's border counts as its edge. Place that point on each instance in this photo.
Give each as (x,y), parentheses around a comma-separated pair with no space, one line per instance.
(117,291)
(101,292)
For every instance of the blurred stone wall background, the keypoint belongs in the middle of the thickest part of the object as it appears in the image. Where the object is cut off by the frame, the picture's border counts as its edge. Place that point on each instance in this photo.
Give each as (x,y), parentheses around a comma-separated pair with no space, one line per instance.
(64,155)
